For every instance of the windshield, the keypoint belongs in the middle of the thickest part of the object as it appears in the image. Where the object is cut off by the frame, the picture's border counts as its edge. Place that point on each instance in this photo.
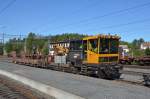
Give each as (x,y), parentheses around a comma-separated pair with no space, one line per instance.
(114,46)
(108,46)
(76,45)
(93,45)
(104,46)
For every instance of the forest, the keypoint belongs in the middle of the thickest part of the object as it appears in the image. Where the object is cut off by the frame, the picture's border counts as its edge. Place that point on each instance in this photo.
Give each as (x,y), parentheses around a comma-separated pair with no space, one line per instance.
(40,43)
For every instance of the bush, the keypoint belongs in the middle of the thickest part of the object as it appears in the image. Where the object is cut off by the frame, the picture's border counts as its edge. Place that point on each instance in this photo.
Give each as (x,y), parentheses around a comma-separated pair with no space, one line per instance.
(1,50)
(147,51)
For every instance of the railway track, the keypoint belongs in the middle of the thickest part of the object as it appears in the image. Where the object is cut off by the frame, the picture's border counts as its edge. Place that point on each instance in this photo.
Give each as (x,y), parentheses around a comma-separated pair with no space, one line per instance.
(10,89)
(130,82)
(144,82)
(120,80)
(141,83)
(132,73)
(137,66)
(7,93)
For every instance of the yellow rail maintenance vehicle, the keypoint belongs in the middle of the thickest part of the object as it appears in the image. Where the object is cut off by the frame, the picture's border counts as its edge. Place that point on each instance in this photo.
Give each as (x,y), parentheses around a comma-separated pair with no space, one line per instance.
(93,56)
(96,55)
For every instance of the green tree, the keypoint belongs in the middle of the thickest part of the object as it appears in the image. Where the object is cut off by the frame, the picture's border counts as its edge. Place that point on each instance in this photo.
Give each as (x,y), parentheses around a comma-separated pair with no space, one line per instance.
(45,49)
(8,47)
(138,52)
(135,47)
(1,49)
(35,43)
(30,42)
(137,43)
(141,40)
(126,43)
(40,44)
(147,51)
(14,45)
(66,36)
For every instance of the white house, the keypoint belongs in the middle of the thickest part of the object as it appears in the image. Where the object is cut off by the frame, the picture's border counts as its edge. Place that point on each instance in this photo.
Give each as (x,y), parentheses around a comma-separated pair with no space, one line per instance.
(145,45)
(62,43)
(124,48)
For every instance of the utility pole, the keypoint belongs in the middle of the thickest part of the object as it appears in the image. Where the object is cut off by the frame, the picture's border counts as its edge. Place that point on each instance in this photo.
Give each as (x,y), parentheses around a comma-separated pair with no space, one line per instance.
(25,46)
(3,38)
(3,41)
(49,48)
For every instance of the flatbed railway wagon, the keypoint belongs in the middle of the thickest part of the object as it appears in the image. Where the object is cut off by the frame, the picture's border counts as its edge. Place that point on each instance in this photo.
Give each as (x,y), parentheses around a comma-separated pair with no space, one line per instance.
(94,55)
(141,61)
(126,59)
(145,60)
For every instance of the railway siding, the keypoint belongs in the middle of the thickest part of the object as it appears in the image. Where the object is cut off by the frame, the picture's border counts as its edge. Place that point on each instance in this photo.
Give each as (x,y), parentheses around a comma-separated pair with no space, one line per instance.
(137,70)
(137,66)
(11,89)
(51,91)
(138,75)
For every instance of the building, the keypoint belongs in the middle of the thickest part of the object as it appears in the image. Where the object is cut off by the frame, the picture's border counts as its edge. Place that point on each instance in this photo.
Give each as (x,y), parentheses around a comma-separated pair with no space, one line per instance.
(124,48)
(145,45)
(68,44)
(64,44)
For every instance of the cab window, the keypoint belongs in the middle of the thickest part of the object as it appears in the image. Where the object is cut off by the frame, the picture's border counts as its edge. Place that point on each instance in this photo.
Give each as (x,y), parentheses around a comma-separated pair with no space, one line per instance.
(104,46)
(93,45)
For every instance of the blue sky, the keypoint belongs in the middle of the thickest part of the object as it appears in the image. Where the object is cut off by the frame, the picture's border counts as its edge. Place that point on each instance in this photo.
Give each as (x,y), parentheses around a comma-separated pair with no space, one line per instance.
(49,17)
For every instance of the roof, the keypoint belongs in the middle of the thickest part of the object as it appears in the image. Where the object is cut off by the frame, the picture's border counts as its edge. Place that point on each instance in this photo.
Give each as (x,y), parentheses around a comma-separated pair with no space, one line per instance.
(124,46)
(146,44)
(102,36)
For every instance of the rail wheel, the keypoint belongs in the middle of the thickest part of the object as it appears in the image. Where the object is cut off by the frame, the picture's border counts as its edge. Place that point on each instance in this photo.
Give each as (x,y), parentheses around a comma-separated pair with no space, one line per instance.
(115,74)
(101,74)
(109,72)
(146,79)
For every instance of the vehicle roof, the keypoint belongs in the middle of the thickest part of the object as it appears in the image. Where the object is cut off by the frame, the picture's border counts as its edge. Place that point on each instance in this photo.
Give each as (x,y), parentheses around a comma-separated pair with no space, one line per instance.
(102,36)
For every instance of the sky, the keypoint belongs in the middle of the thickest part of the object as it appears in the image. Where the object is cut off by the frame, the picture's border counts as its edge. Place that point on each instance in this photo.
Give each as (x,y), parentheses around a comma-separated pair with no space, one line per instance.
(129,19)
